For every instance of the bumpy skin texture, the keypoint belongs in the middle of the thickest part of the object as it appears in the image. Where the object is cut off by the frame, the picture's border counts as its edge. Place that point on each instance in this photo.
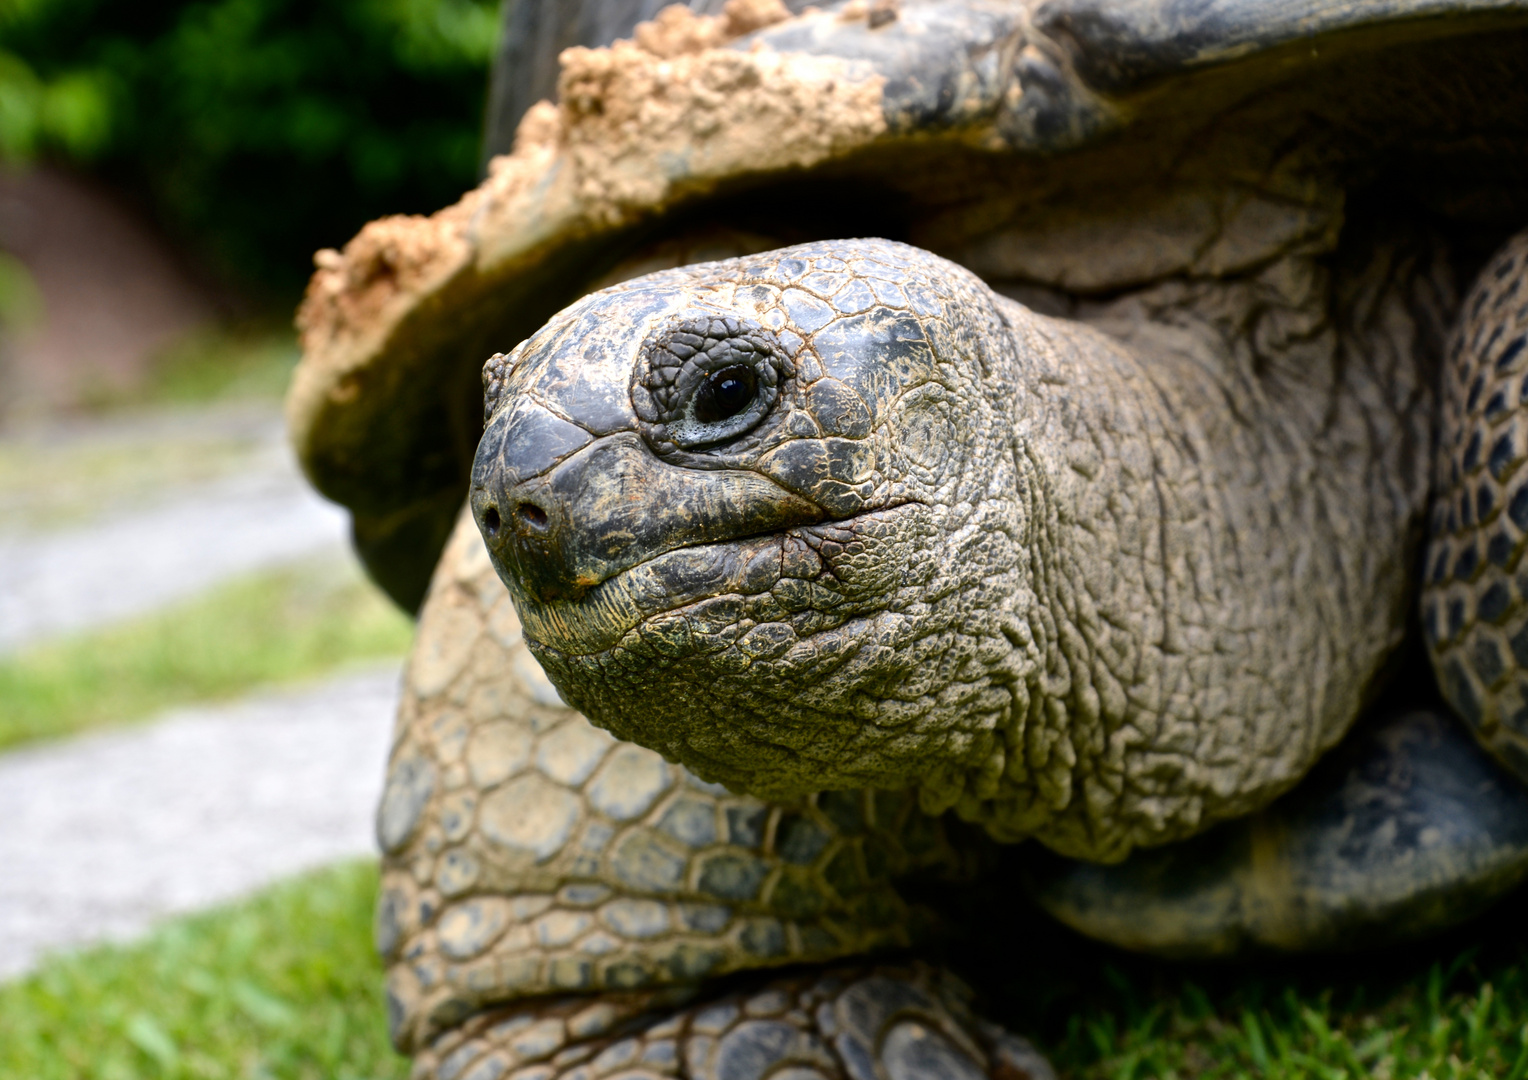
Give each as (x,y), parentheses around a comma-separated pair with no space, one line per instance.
(1474,612)
(1098,590)
(528,853)
(853,1024)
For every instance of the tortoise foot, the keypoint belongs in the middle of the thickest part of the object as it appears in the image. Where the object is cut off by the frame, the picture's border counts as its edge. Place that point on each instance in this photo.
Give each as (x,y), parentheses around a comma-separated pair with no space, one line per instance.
(1406,828)
(883,1023)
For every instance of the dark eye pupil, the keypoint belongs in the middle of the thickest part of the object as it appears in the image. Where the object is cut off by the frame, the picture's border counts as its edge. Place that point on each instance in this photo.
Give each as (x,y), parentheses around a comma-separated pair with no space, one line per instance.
(725,393)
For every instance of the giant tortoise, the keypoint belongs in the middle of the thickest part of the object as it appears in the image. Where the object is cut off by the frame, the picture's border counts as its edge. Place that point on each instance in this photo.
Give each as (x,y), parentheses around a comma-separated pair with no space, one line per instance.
(925,436)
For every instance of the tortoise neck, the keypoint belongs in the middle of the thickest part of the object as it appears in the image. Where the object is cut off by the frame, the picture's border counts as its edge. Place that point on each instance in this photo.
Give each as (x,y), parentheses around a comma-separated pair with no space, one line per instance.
(1191,488)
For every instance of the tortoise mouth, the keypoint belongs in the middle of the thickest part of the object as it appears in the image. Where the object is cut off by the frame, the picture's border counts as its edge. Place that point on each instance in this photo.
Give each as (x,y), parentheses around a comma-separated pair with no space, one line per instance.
(746,571)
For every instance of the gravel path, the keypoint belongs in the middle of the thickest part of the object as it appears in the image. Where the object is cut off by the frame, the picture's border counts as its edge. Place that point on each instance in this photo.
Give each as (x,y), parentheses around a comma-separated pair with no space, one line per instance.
(105,834)
(176,533)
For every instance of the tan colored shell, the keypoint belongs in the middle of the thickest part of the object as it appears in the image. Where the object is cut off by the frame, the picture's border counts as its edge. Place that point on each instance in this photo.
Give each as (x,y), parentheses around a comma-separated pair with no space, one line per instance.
(1032,143)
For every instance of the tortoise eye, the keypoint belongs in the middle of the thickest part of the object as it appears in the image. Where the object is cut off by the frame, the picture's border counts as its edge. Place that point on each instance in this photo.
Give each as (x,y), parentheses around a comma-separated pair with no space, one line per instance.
(725,393)
(703,380)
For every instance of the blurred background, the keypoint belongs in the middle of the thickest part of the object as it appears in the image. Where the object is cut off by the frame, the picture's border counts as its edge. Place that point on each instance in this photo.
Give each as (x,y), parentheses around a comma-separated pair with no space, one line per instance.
(171,167)
(196,682)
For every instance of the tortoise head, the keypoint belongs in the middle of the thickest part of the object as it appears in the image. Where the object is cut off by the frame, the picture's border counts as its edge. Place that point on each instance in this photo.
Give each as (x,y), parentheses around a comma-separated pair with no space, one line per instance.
(762,515)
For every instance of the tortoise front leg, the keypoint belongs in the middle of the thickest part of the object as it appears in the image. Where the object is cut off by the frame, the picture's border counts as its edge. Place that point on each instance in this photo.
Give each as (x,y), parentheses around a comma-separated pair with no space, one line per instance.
(551,895)
(863,1024)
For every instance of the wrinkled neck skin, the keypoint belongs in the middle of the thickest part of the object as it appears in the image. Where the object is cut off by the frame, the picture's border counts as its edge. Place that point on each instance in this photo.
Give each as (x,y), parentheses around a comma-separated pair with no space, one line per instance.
(1224,499)
(1101,589)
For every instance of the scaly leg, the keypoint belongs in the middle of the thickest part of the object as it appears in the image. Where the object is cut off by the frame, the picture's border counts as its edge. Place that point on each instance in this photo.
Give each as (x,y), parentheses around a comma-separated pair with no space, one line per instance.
(529,856)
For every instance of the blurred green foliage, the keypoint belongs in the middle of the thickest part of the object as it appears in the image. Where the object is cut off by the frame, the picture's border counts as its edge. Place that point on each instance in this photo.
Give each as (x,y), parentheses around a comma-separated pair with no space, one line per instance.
(255,130)
(20,301)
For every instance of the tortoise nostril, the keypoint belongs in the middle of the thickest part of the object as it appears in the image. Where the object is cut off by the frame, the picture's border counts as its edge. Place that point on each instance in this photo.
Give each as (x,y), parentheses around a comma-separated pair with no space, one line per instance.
(491,520)
(532,515)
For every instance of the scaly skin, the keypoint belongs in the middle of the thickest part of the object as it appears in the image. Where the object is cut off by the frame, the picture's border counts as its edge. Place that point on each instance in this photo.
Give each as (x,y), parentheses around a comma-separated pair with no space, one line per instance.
(851,1024)
(1099,590)
(527,853)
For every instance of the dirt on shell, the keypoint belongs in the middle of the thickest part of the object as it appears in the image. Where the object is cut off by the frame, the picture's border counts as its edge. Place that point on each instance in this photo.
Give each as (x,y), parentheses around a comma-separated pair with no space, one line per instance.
(639,125)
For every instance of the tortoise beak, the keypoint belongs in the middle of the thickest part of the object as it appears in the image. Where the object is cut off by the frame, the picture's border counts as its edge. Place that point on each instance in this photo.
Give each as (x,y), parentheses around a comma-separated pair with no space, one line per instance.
(521,525)
(562,511)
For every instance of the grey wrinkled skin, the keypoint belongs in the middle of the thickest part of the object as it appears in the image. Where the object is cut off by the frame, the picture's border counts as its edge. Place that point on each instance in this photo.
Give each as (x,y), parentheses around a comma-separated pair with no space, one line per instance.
(1098,590)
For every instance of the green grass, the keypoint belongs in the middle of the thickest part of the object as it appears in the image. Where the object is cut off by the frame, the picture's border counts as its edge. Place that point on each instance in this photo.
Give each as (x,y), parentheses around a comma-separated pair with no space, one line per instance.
(1452,1008)
(223,364)
(276,627)
(217,364)
(286,986)
(282,985)
(48,482)
(202,412)
(1456,1019)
